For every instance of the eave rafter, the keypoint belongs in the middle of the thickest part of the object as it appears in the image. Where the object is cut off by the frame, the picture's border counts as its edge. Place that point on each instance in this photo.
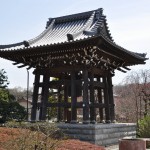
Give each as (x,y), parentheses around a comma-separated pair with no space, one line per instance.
(110,60)
(89,56)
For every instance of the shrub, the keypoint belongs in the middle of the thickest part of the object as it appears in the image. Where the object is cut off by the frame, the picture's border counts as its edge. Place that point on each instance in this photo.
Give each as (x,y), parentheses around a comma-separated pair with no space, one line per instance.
(10,111)
(144,127)
(46,128)
(29,140)
(37,136)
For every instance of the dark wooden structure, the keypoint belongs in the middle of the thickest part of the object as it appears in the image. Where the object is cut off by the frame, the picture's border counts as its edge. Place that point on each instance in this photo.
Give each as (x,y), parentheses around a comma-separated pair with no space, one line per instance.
(79,51)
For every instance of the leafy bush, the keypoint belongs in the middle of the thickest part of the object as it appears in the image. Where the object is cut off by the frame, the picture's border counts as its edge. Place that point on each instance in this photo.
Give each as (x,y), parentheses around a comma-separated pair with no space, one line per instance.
(11,110)
(144,127)
(4,94)
(16,111)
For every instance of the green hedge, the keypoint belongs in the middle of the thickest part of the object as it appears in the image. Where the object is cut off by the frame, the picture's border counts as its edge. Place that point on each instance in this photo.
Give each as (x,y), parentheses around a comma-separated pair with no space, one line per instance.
(144,127)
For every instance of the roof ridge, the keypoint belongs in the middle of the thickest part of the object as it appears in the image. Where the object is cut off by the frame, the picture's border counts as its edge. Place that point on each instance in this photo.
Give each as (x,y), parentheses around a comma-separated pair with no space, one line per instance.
(74,16)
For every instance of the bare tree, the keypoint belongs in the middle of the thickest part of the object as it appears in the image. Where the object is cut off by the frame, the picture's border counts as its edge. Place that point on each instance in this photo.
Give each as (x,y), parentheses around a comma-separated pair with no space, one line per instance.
(19,93)
(134,95)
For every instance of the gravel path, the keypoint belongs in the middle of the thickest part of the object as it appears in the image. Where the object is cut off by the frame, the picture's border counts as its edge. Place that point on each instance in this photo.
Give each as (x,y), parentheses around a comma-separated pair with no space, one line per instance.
(113,147)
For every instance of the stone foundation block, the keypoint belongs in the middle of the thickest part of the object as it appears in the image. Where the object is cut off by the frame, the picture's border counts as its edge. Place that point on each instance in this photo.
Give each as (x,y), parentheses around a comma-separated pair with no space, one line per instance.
(101,134)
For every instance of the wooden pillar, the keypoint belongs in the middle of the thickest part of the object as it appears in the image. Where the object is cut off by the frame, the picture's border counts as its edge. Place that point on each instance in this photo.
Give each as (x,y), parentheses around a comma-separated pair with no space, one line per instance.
(92,100)
(100,102)
(106,100)
(40,113)
(35,96)
(73,98)
(111,99)
(86,119)
(45,95)
(58,108)
(65,101)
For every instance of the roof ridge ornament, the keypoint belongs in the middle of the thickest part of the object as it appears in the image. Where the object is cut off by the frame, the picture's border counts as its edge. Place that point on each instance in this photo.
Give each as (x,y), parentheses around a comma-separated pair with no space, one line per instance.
(49,22)
(99,25)
(26,43)
(99,13)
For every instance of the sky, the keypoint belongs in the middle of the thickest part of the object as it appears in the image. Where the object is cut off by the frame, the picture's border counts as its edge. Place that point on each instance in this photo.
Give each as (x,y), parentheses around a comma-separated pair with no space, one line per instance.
(128,21)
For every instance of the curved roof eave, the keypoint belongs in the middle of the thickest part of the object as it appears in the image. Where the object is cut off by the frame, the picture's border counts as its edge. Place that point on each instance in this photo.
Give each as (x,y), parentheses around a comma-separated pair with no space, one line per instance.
(135,55)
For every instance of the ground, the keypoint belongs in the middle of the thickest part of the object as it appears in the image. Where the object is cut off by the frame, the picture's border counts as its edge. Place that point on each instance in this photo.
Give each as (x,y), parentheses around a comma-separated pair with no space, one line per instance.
(70,144)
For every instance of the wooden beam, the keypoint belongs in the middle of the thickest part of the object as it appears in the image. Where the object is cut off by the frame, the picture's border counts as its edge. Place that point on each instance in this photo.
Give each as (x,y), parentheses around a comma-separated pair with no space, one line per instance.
(22,66)
(99,105)
(16,63)
(60,104)
(56,84)
(97,84)
(126,68)
(29,67)
(109,54)
(68,105)
(121,70)
(100,72)
(76,68)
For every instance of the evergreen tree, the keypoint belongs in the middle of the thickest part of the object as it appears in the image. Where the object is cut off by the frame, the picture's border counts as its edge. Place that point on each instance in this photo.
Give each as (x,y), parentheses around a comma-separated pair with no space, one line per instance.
(9,109)
(4,94)
(3,79)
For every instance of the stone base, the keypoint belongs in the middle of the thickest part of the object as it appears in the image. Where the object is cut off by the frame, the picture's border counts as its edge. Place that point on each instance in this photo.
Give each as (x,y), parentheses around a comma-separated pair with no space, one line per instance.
(100,134)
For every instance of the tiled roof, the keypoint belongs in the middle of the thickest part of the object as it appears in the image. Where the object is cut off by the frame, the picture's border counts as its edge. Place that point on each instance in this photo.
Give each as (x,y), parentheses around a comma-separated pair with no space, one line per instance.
(67,28)
(72,28)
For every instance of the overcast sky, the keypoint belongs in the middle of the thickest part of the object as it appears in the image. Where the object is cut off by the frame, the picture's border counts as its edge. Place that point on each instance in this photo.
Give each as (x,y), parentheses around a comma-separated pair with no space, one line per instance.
(128,21)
